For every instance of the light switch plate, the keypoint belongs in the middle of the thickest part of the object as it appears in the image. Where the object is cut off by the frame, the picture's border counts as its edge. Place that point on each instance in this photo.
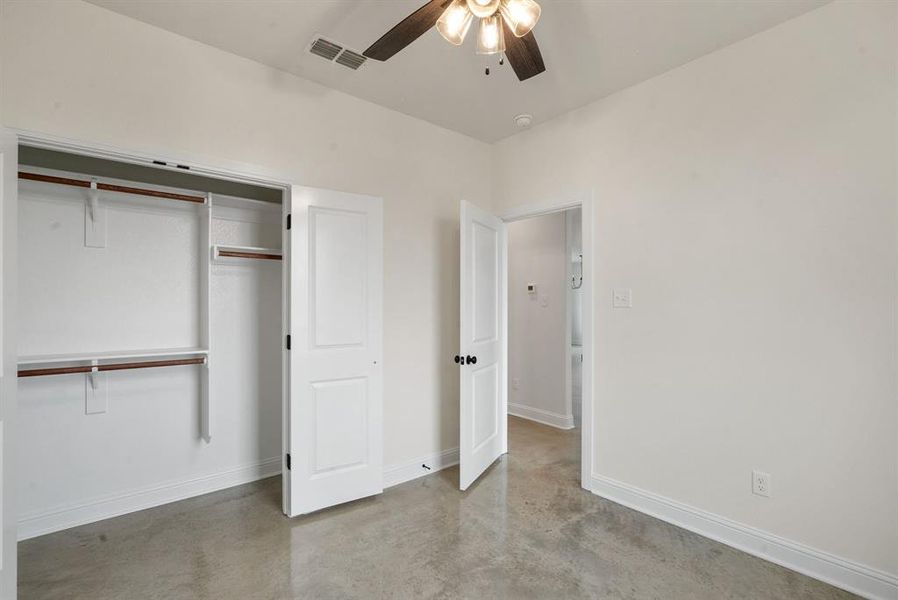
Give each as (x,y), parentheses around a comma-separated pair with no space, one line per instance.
(622,298)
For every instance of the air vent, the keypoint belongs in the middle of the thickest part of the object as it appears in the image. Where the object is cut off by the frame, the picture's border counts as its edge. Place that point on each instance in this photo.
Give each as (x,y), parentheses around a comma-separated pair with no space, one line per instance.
(325,49)
(330,50)
(351,59)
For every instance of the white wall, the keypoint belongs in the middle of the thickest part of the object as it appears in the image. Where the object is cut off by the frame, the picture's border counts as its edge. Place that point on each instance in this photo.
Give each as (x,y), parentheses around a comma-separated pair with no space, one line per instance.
(537,357)
(142,291)
(749,200)
(82,72)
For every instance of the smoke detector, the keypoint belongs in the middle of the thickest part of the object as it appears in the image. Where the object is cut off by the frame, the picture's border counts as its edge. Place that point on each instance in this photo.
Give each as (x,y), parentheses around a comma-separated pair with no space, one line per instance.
(523,121)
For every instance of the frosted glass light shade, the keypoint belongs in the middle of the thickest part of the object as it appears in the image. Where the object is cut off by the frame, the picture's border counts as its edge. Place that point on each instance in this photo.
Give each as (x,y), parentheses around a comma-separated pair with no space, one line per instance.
(521,15)
(455,21)
(483,8)
(490,39)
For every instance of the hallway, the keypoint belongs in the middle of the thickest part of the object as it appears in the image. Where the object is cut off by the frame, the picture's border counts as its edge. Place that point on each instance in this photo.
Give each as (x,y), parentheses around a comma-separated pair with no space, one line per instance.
(526,530)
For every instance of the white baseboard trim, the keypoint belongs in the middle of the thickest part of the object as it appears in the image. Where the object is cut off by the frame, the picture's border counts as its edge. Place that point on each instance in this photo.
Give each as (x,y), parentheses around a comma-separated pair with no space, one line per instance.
(412,469)
(541,416)
(853,577)
(57,519)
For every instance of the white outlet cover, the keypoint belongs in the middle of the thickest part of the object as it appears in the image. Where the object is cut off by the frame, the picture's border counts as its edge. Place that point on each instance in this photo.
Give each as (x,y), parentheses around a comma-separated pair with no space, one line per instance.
(760,483)
(622,298)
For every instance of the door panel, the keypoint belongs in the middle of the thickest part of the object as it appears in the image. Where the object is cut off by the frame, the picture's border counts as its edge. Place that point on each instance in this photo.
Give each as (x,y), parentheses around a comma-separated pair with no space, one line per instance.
(483,396)
(336,383)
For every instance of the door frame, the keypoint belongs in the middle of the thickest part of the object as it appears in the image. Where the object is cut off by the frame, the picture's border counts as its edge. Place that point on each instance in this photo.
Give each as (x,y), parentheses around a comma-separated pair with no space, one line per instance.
(585,202)
(203,166)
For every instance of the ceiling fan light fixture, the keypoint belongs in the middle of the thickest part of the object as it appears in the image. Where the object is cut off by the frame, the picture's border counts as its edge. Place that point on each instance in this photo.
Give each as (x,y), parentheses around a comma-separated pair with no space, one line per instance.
(521,15)
(455,22)
(483,8)
(490,38)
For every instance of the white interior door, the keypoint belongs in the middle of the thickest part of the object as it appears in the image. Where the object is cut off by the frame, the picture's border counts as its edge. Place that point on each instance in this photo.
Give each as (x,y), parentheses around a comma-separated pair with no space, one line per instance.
(483,396)
(9,165)
(335,322)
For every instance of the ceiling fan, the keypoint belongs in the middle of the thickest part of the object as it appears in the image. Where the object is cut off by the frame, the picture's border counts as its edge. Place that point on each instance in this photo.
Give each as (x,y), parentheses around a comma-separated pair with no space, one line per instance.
(505,26)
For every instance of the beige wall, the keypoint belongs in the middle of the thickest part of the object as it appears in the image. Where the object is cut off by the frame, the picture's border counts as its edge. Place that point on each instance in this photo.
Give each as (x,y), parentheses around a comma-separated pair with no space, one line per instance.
(537,324)
(749,200)
(86,73)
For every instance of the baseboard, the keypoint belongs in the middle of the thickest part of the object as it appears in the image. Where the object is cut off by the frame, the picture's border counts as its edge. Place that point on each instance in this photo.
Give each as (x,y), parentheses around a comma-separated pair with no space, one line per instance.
(35,524)
(853,577)
(541,416)
(412,469)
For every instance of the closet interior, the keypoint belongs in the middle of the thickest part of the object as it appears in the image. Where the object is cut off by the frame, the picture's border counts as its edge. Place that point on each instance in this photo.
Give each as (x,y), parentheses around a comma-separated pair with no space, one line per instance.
(151,336)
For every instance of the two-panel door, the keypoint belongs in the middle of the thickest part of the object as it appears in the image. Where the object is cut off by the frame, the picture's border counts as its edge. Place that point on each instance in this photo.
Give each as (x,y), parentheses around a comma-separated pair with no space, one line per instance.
(334,317)
(483,424)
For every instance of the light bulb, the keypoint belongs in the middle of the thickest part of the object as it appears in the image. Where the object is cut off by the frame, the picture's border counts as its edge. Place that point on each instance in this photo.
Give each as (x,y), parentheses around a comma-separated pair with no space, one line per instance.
(521,15)
(455,21)
(483,8)
(490,39)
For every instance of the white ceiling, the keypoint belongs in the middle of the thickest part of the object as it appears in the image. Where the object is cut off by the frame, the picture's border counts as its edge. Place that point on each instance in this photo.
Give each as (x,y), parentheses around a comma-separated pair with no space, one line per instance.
(591,48)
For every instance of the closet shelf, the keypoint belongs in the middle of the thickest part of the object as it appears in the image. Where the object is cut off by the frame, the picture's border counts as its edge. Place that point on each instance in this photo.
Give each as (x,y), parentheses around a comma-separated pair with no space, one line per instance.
(225,253)
(56,359)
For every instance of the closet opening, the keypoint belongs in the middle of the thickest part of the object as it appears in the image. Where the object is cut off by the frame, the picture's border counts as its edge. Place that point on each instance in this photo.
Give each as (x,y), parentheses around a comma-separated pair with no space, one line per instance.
(151,336)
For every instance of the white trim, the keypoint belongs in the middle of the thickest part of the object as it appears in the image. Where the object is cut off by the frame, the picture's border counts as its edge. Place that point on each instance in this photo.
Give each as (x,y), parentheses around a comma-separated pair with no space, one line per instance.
(114,505)
(854,577)
(199,165)
(539,209)
(412,469)
(541,416)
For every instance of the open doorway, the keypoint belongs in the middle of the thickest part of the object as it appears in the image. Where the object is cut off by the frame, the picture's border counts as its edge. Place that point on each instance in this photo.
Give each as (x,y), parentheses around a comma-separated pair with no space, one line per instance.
(543,388)
(544,321)
(545,278)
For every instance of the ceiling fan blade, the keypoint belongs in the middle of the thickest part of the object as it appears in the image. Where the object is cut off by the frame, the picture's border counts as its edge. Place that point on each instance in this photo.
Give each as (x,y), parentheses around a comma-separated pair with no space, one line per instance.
(523,54)
(407,31)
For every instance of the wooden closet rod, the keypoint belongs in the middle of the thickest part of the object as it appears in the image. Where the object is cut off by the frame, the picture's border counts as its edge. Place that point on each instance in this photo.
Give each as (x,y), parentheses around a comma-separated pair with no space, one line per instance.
(109,187)
(113,367)
(236,254)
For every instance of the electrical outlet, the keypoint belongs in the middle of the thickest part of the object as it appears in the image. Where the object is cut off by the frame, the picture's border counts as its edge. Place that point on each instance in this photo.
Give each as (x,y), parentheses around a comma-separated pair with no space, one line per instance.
(622,298)
(760,483)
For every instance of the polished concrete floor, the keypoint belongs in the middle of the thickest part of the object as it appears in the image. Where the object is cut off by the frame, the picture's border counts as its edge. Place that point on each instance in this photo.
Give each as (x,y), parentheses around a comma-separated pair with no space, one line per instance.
(526,530)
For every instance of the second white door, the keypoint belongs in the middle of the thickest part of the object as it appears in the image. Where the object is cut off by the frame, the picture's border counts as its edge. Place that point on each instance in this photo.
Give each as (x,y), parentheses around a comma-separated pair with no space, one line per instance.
(482,363)
(334,433)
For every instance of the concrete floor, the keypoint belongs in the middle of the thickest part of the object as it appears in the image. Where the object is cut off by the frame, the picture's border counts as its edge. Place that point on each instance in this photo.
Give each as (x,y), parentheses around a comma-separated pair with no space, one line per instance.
(526,530)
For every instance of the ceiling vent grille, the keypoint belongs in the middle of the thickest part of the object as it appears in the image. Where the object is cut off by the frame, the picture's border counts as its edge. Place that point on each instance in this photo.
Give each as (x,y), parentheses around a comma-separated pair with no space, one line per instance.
(325,49)
(331,50)
(351,59)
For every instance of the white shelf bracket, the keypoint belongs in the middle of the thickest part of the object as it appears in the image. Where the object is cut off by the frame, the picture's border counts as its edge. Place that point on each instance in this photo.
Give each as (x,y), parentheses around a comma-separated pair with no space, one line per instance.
(94,219)
(95,397)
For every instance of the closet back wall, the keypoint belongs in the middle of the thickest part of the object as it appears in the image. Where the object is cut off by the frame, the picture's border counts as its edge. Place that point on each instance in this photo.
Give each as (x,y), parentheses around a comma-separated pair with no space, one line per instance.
(140,292)
(76,70)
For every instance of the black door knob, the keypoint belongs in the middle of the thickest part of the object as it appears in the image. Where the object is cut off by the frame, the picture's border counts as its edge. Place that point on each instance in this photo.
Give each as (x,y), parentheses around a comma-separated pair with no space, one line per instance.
(472,360)
(457,359)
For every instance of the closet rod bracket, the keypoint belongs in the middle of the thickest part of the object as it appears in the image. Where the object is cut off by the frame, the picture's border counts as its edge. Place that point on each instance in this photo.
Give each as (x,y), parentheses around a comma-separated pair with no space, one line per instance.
(93,200)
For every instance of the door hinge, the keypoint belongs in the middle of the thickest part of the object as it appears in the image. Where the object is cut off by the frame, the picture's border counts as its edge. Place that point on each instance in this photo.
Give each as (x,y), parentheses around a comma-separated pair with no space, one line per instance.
(288,462)
(289,219)
(288,341)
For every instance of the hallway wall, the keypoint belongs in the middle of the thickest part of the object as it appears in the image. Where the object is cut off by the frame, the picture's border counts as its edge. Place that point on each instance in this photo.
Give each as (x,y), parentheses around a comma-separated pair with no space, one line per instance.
(537,353)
